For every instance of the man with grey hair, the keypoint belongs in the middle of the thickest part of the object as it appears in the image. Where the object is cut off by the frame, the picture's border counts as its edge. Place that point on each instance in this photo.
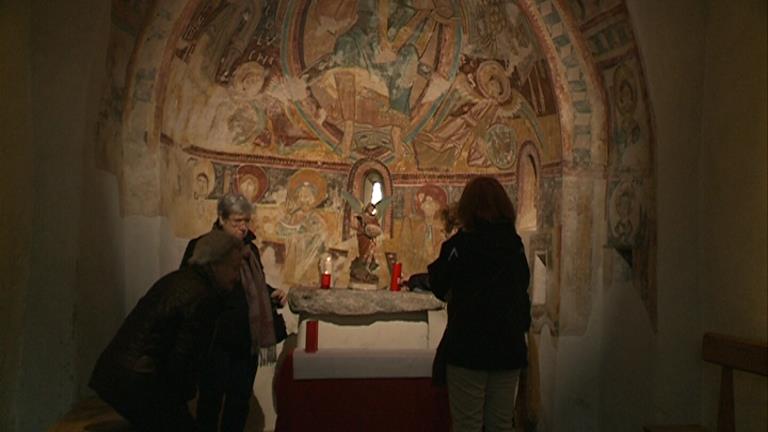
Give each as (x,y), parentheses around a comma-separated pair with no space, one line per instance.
(148,372)
(246,332)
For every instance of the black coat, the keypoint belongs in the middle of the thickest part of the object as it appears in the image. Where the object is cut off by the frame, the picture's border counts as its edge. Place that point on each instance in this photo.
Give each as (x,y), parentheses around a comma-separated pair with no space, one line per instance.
(160,342)
(233,332)
(483,274)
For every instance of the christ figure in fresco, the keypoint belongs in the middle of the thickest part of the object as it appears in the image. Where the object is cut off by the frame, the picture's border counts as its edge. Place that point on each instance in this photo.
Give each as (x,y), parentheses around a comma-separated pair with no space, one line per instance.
(371,72)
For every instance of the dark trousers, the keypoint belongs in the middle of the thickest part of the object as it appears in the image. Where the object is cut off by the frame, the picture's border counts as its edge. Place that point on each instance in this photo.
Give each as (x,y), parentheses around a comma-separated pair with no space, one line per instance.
(148,405)
(226,377)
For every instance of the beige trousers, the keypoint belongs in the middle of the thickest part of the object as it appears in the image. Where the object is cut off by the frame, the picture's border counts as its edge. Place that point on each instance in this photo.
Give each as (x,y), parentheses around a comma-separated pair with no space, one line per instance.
(482,398)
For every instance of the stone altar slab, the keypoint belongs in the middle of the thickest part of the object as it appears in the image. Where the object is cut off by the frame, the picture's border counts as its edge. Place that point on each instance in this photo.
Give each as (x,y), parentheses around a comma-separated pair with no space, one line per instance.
(313,301)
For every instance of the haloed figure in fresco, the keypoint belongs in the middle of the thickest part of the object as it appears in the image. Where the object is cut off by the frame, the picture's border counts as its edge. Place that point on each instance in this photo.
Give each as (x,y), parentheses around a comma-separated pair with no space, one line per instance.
(302,226)
(247,330)
(147,372)
(422,234)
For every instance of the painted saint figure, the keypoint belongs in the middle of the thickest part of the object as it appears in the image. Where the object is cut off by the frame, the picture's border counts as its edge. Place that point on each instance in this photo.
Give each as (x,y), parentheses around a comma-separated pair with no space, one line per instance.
(422,234)
(302,227)
(623,229)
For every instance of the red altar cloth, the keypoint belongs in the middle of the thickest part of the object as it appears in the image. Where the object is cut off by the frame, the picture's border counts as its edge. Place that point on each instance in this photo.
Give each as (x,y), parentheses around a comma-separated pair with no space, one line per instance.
(348,405)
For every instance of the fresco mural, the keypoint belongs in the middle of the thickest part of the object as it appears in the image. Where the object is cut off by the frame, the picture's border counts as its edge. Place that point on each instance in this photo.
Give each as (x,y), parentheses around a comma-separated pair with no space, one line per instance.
(213,96)
(231,83)
(128,19)
(299,104)
(630,194)
(280,100)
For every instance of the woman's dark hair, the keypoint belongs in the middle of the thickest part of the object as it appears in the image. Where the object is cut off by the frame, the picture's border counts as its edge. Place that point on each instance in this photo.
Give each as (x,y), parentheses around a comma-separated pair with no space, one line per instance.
(484,200)
(450,217)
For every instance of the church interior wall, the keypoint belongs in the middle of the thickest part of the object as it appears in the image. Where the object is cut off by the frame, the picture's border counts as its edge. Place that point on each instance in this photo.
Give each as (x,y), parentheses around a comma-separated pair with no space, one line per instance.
(731,258)
(61,81)
(94,244)
(16,161)
(709,99)
(654,368)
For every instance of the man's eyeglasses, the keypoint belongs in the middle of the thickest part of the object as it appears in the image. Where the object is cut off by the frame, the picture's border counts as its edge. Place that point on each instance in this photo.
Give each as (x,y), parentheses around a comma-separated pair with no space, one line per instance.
(238,221)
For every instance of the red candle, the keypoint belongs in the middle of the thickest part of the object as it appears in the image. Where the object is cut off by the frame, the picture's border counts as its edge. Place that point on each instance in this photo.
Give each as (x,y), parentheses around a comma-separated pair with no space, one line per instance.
(310,344)
(325,280)
(394,285)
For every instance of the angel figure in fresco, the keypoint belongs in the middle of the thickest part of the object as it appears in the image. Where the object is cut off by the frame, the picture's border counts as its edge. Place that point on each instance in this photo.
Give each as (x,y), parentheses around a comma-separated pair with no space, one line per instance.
(235,115)
(302,226)
(477,101)
(256,112)
(367,230)
(230,26)
(473,122)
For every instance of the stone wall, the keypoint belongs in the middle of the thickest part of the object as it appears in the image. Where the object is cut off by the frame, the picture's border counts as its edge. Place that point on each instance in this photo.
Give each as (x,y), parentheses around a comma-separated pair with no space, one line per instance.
(732,209)
(16,161)
(55,57)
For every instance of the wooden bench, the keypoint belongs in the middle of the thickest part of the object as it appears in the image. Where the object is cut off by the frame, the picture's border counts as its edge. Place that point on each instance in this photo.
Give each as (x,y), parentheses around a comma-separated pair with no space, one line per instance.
(94,415)
(730,353)
(91,415)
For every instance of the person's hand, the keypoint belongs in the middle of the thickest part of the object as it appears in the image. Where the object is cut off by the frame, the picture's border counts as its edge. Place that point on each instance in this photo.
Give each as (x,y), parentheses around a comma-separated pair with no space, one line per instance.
(280,296)
(418,282)
(403,283)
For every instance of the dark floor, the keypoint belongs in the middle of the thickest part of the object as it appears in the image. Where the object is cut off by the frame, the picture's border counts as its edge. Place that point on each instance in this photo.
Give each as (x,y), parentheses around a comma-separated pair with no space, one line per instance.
(93,415)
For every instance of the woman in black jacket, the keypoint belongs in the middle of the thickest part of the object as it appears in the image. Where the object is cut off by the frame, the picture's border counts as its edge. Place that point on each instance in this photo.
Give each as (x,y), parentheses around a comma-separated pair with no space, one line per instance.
(483,274)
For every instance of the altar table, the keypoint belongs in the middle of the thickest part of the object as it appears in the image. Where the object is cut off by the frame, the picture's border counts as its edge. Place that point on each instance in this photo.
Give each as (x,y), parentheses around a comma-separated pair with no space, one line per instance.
(394,404)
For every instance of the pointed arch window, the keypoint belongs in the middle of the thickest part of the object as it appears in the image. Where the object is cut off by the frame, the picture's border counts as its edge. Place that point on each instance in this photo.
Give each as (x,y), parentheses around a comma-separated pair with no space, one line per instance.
(528,181)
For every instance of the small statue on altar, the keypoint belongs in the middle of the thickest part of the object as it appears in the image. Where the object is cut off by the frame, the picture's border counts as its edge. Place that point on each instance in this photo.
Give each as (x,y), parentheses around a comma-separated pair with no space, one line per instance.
(362,272)
(368,229)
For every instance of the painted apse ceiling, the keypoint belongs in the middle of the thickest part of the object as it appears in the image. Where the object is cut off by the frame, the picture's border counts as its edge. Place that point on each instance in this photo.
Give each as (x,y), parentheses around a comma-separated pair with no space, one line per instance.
(298,104)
